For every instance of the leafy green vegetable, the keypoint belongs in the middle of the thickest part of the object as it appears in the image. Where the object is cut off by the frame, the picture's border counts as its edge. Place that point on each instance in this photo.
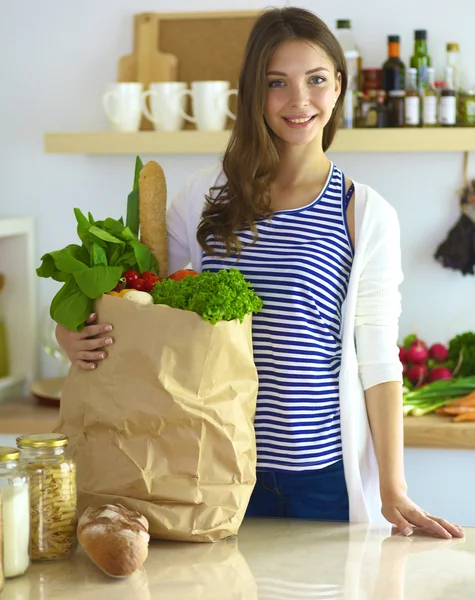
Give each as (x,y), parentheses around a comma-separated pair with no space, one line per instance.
(462,354)
(428,398)
(133,218)
(221,296)
(108,249)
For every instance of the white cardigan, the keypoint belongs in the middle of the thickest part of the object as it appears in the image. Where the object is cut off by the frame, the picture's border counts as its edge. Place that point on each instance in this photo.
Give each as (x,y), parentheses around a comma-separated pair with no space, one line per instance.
(369,327)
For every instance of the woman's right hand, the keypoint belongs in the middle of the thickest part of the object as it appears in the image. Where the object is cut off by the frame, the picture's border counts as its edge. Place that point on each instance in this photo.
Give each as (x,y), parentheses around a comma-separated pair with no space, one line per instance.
(86,347)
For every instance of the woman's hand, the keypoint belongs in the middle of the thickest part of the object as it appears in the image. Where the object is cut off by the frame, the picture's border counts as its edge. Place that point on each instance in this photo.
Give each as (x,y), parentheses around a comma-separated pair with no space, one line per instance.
(86,347)
(405,515)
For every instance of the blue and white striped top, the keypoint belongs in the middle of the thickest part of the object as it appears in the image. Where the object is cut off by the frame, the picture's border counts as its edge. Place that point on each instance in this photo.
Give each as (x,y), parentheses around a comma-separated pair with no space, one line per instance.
(300,267)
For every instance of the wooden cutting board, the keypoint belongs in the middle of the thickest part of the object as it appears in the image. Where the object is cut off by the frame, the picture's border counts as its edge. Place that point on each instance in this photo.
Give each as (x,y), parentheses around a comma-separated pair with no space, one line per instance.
(147,64)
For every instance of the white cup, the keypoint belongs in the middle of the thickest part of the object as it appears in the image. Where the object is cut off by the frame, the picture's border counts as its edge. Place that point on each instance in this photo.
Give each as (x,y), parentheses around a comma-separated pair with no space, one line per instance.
(166,102)
(123,106)
(209,104)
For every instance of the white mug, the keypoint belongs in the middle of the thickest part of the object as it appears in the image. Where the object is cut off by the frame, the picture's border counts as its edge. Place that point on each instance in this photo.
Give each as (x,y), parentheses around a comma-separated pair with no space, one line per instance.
(166,102)
(210,104)
(123,106)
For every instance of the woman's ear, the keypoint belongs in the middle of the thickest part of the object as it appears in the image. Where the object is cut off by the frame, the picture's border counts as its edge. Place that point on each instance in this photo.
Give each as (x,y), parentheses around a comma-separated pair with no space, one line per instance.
(337,86)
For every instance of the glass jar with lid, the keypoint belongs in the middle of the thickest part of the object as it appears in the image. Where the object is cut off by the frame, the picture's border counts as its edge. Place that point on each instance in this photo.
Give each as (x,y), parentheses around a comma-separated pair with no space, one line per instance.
(53,498)
(466,112)
(14,490)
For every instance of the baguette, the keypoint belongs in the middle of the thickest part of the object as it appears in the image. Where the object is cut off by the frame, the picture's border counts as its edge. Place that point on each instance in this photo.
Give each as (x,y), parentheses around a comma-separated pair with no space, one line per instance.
(115,539)
(153,213)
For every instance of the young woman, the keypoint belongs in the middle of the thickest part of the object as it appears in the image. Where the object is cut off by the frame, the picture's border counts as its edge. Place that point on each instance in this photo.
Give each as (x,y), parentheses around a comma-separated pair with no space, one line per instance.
(323,253)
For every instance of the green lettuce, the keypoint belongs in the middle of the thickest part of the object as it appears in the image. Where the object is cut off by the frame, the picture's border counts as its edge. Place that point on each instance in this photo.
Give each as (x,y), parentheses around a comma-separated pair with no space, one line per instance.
(221,296)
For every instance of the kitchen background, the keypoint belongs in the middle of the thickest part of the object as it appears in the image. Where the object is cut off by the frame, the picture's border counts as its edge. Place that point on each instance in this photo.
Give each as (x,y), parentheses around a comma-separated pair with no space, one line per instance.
(58,58)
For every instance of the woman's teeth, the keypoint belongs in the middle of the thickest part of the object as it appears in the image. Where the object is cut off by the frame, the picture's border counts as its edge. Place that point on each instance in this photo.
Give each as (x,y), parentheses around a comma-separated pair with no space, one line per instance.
(299,120)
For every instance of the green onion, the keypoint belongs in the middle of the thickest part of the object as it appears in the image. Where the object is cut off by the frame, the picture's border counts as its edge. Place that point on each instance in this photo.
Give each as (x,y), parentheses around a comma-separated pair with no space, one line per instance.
(432,396)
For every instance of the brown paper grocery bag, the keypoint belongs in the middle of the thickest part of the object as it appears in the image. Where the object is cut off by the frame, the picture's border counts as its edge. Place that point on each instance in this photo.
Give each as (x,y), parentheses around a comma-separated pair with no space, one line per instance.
(164,426)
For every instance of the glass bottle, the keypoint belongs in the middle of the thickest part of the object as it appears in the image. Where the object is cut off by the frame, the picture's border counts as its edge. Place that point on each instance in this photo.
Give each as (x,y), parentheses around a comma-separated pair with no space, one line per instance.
(394,71)
(412,100)
(453,60)
(346,38)
(420,60)
(396,108)
(15,493)
(53,499)
(448,101)
(429,101)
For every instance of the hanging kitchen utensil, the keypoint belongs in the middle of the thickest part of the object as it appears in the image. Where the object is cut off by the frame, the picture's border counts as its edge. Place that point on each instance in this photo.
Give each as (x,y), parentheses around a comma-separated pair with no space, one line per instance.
(458,249)
(147,64)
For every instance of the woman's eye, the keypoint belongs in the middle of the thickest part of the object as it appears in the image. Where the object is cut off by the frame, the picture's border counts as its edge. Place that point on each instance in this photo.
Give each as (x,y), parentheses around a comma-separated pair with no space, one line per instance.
(275,83)
(317,79)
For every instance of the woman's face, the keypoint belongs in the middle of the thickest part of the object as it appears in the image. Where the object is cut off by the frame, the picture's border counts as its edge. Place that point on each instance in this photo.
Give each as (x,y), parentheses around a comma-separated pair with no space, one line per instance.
(302,91)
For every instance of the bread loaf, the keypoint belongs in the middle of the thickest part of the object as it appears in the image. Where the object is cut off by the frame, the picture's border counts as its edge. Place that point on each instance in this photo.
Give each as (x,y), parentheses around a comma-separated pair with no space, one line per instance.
(153,213)
(115,538)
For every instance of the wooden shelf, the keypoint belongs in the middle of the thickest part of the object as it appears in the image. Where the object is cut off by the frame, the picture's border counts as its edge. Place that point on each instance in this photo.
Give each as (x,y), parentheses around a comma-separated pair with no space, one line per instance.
(436,431)
(201,142)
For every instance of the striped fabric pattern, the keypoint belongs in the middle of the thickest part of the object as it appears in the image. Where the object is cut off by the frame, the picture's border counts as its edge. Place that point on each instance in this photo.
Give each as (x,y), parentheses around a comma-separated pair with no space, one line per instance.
(300,267)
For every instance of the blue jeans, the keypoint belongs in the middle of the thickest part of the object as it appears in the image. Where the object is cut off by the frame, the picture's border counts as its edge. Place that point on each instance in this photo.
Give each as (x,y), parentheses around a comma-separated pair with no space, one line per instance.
(317,494)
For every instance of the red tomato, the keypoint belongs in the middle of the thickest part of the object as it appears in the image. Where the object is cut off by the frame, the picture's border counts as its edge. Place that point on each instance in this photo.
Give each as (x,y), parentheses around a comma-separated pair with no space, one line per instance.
(130,277)
(148,275)
(139,284)
(150,283)
(181,274)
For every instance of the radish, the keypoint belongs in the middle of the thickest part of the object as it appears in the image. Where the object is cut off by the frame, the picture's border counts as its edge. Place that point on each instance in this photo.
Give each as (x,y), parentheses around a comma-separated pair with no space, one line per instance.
(440,373)
(402,354)
(439,353)
(418,353)
(417,373)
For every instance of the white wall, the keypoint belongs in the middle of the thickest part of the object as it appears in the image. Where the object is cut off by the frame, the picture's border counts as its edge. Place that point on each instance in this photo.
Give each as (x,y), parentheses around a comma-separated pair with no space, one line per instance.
(57,57)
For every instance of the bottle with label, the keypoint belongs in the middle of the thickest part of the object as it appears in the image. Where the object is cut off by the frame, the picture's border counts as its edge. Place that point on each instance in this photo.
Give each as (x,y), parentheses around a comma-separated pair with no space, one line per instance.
(453,60)
(429,101)
(396,108)
(448,101)
(420,60)
(394,71)
(347,41)
(412,100)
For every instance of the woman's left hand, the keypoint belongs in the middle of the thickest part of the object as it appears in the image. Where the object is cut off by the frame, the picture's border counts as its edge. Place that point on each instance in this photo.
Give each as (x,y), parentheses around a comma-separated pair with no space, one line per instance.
(405,515)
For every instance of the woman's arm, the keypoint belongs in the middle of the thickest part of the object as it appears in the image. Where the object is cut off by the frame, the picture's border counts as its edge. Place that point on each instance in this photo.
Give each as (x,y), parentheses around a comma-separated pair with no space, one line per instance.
(376,333)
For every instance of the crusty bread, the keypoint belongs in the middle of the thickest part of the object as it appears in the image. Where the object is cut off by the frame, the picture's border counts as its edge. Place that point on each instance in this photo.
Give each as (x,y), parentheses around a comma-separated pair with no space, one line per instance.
(153,213)
(115,538)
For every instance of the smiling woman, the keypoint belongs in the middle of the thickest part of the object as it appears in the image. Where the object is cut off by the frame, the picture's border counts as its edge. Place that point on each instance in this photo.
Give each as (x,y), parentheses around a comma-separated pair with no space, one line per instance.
(293,69)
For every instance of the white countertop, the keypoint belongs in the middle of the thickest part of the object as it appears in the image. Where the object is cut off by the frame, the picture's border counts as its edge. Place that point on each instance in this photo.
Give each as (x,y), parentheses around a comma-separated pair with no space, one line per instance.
(273,560)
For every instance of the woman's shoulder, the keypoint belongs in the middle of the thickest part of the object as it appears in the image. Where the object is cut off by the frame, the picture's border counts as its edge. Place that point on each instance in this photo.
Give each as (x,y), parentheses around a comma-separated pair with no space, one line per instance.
(204,179)
(370,203)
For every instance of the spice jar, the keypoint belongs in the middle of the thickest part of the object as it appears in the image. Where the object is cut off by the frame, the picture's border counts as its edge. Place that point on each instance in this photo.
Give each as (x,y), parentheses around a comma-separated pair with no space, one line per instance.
(53,499)
(467,108)
(14,490)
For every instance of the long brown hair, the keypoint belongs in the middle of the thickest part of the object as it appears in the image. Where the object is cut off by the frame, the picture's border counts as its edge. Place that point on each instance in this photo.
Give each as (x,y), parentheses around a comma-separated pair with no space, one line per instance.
(251,158)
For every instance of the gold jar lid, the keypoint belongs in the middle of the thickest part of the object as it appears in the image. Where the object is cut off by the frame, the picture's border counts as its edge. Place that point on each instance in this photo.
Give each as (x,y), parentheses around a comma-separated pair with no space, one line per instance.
(42,440)
(9,453)
(452,47)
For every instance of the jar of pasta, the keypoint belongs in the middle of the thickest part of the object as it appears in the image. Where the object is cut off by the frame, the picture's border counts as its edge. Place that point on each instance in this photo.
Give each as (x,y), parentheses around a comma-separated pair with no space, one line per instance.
(14,491)
(53,499)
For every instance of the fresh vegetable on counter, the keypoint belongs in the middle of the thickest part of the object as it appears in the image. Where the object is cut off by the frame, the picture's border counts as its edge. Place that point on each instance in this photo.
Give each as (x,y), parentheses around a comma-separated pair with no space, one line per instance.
(434,395)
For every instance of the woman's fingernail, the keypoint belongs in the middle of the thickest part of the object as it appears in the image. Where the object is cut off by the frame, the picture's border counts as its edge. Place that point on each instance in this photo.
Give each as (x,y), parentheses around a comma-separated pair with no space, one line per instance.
(92,365)
(108,328)
(408,531)
(108,341)
(91,316)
